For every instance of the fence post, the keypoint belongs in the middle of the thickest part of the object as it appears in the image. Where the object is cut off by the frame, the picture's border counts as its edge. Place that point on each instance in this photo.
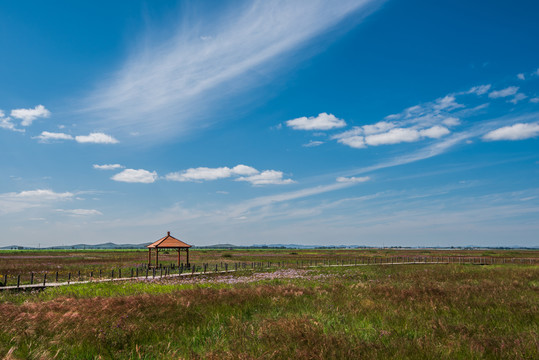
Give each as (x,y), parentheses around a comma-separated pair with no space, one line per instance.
(5,279)
(226,267)
(68,278)
(18,280)
(44,279)
(57,276)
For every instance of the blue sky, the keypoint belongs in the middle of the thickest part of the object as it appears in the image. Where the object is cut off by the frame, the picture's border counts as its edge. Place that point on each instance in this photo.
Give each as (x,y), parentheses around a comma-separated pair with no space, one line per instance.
(383,123)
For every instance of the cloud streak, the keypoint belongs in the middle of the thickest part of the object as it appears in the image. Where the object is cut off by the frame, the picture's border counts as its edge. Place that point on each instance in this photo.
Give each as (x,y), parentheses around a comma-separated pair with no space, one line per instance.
(173,81)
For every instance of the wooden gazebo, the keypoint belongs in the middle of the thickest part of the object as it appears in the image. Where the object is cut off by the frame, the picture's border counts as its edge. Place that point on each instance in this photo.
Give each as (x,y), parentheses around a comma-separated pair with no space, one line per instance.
(167,242)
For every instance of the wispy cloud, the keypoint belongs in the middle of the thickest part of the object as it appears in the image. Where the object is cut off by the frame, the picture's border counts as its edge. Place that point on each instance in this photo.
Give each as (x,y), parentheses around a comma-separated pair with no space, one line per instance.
(343,179)
(16,202)
(479,90)
(108,166)
(80,212)
(508,91)
(313,143)
(7,123)
(172,81)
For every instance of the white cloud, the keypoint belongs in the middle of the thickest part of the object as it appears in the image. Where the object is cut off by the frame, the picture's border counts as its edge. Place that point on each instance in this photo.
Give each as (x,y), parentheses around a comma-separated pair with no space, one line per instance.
(267,177)
(354,141)
(518,97)
(96,138)
(313,143)
(206,174)
(136,176)
(534,100)
(50,136)
(244,170)
(200,174)
(521,76)
(323,121)
(519,131)
(508,91)
(6,123)
(108,166)
(81,212)
(177,75)
(479,90)
(393,136)
(434,132)
(451,121)
(29,115)
(352,179)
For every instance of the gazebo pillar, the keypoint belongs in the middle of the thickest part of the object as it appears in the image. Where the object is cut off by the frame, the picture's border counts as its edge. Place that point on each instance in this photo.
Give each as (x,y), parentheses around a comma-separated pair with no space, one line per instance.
(178,257)
(156,257)
(187,256)
(149,257)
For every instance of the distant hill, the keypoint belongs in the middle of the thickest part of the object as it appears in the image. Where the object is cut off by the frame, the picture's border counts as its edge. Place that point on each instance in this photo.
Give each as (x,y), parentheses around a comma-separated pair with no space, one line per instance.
(105,246)
(113,246)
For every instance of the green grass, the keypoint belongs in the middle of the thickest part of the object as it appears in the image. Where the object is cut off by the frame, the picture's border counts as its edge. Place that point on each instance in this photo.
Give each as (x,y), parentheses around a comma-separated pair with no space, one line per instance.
(423,311)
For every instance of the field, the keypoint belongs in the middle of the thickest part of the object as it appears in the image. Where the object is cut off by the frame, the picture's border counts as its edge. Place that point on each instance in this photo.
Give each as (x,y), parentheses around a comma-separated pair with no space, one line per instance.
(374,311)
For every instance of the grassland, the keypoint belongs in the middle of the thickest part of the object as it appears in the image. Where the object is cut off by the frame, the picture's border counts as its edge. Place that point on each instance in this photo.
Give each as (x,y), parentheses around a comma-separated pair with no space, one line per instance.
(400,311)
(24,262)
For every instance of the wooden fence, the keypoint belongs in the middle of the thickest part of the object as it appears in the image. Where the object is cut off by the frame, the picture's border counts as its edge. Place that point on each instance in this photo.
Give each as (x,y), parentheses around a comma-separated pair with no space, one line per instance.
(35,281)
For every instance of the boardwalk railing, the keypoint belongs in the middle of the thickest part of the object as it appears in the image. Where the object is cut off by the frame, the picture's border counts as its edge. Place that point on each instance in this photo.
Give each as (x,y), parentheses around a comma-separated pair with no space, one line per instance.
(40,281)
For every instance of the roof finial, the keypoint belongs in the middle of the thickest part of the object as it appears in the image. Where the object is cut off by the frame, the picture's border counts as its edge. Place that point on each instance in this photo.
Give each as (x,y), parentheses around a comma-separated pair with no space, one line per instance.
(168,233)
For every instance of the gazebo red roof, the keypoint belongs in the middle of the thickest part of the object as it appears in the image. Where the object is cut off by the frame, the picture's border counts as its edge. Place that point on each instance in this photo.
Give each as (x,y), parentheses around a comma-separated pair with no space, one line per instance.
(168,242)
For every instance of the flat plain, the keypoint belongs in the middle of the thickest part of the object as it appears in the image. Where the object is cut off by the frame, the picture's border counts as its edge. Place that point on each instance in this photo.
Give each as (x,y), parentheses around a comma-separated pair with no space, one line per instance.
(321,312)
